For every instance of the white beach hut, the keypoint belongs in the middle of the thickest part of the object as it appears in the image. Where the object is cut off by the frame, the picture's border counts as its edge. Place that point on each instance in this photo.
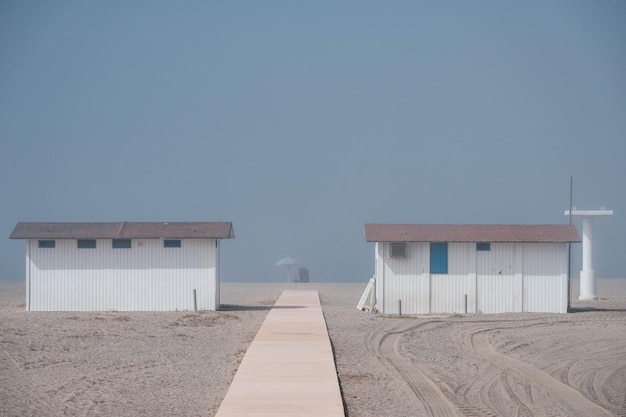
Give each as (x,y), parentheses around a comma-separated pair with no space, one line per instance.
(127,266)
(428,268)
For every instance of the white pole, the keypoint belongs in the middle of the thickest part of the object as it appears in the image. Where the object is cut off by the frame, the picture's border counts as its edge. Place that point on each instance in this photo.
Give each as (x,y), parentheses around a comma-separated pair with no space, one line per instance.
(588,289)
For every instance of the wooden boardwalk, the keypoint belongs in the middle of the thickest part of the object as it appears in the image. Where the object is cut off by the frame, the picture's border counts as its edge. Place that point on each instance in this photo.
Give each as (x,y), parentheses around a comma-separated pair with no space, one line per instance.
(289,367)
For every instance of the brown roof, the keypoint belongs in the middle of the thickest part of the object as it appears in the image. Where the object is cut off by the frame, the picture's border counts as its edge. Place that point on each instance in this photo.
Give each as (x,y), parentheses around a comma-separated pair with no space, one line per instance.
(124,230)
(471,233)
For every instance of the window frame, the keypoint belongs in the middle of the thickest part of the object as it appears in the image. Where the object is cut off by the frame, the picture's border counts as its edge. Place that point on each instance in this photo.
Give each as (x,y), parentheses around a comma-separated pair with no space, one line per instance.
(398,245)
(86,244)
(46,243)
(483,246)
(121,243)
(172,243)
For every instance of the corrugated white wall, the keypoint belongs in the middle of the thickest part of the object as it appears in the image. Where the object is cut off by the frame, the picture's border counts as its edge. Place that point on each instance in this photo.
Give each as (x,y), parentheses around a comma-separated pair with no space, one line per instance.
(498,280)
(147,277)
(448,290)
(379,268)
(545,277)
(216,276)
(511,277)
(405,279)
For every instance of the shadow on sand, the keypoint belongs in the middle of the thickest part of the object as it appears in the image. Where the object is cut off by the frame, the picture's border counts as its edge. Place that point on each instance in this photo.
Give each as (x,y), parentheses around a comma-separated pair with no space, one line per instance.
(236,307)
(588,309)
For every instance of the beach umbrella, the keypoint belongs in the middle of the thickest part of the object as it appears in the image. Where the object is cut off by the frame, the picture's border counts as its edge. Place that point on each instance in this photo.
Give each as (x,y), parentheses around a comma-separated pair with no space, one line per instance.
(287,262)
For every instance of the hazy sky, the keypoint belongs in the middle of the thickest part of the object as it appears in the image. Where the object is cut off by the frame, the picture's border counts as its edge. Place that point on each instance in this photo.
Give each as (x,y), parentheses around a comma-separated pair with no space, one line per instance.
(301,121)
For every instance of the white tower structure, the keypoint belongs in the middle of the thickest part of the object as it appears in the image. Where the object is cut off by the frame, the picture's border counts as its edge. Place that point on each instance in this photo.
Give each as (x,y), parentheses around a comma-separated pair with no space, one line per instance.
(588,289)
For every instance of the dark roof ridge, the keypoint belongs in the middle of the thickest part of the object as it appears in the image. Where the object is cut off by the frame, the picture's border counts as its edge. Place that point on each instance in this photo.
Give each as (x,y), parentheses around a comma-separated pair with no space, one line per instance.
(120,229)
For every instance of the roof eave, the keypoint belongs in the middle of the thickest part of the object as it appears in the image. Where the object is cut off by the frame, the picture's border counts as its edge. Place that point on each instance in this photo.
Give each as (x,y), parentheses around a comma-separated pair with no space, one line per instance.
(24,230)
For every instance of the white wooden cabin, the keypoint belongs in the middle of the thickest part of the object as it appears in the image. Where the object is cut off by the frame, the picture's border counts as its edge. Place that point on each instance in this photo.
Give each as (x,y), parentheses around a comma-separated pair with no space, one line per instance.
(127,266)
(428,268)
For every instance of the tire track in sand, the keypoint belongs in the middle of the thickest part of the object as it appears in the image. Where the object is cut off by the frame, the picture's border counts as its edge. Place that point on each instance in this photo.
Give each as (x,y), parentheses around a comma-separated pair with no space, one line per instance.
(384,344)
(477,342)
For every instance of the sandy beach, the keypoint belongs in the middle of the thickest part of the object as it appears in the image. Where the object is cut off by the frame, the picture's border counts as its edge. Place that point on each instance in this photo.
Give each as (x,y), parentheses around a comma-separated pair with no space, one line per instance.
(181,363)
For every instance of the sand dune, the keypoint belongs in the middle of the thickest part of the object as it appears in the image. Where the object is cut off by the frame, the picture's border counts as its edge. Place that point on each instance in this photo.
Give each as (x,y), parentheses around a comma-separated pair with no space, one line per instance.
(180,363)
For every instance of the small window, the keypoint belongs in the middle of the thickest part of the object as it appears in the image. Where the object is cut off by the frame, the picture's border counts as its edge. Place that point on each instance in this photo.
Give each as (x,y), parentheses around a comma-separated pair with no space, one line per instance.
(397,250)
(47,244)
(171,243)
(86,243)
(483,246)
(121,244)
